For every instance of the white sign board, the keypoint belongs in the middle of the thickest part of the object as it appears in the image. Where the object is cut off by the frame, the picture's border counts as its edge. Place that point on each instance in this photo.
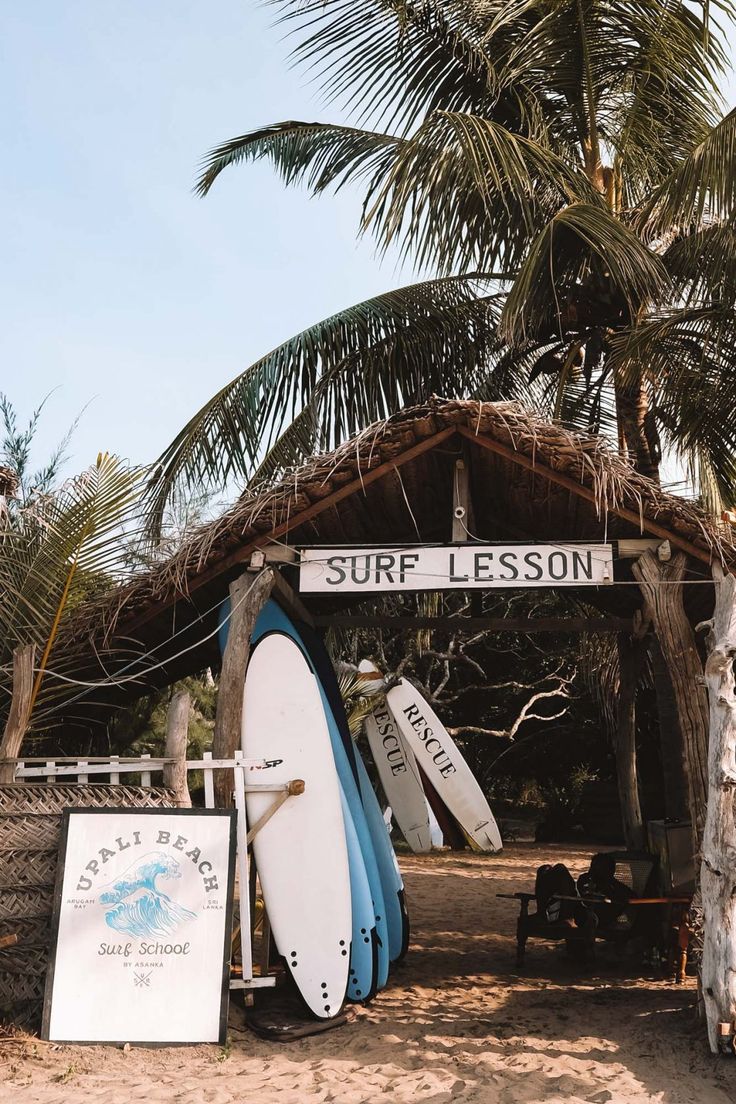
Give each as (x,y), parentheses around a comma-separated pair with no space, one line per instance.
(453,567)
(142,927)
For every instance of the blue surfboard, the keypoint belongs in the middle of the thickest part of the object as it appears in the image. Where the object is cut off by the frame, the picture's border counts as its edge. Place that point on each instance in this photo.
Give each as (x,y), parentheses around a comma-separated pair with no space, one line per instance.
(322,663)
(393,886)
(368,960)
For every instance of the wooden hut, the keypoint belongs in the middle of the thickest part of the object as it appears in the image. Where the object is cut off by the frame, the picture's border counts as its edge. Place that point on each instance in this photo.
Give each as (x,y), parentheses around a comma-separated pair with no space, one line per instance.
(451,472)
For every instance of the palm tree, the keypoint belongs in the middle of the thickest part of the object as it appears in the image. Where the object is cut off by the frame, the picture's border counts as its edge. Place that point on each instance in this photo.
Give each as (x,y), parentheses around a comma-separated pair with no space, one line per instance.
(562,169)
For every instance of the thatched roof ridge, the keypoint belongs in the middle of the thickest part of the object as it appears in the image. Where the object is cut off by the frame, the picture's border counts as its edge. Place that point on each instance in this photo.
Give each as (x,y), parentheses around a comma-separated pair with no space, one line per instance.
(586,460)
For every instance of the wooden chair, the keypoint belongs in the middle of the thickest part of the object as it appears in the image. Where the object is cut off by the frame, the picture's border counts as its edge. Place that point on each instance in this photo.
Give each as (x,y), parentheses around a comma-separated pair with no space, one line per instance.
(598,906)
(555,915)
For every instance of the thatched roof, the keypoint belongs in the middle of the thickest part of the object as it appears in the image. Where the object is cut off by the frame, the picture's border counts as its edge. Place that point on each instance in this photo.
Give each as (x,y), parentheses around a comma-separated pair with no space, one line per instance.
(392,483)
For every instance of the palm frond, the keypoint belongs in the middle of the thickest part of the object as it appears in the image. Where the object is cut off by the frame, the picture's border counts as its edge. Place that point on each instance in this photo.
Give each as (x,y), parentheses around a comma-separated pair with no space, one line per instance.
(57,552)
(460,193)
(356,366)
(465,192)
(702,264)
(320,154)
(394,61)
(690,354)
(670,95)
(703,186)
(301,438)
(585,266)
(358,694)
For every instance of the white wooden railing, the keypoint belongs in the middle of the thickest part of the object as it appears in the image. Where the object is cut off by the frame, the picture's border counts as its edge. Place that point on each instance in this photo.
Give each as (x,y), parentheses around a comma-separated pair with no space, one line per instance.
(110,769)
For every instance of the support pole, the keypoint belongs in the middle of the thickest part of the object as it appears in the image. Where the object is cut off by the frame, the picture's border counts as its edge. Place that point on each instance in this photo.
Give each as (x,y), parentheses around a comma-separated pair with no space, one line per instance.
(20,709)
(718,869)
(177,732)
(661,585)
(630,651)
(248,595)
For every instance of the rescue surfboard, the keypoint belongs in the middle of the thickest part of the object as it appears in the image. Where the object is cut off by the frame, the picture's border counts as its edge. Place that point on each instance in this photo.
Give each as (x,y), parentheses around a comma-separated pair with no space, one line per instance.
(443,763)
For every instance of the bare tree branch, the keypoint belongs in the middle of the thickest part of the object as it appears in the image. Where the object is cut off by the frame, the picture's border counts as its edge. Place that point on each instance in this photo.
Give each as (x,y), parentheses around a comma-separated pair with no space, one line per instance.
(525,714)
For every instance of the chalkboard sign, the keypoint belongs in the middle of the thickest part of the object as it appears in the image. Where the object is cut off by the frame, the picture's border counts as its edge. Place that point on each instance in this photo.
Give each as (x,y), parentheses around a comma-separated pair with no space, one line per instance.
(142,927)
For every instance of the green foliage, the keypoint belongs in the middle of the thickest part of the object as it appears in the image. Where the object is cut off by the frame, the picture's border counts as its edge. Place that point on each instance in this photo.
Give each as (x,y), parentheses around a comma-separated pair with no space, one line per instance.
(52,555)
(141,727)
(59,545)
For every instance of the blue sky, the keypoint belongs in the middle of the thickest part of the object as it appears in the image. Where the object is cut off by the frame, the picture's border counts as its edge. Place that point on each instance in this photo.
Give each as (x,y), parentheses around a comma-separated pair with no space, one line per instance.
(118,287)
(117,284)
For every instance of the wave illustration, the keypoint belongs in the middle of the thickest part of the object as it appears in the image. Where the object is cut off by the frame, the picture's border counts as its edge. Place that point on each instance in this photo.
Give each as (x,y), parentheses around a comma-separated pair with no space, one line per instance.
(141,908)
(150,914)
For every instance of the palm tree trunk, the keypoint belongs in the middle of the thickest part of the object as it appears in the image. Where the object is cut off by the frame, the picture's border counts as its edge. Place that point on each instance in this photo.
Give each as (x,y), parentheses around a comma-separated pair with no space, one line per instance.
(632,411)
(629,662)
(670,738)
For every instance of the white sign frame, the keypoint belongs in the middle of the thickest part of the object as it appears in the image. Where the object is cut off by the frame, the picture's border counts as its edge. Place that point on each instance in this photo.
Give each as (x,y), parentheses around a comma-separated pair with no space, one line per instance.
(368,570)
(197,847)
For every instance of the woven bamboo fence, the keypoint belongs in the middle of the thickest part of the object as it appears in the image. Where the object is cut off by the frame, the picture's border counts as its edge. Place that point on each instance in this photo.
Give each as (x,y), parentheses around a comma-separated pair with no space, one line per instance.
(30,829)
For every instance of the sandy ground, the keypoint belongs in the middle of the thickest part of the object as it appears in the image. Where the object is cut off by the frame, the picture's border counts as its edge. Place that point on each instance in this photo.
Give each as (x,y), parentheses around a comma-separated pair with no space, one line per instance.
(457,1022)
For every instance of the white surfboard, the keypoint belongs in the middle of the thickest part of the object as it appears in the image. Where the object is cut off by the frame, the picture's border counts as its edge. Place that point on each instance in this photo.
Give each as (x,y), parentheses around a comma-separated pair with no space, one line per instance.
(441,760)
(397,769)
(301,853)
(435,831)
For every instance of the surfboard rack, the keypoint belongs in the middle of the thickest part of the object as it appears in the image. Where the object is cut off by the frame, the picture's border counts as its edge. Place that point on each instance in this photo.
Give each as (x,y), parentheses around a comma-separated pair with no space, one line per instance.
(245,835)
(291,789)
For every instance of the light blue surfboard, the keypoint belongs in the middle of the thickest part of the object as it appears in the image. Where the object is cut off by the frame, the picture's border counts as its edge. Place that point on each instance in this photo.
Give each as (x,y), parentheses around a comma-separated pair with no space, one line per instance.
(388,868)
(363,976)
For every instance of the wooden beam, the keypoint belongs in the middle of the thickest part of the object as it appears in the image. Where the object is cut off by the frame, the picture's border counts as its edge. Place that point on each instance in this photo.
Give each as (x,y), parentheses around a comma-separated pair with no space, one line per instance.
(584,492)
(240,555)
(290,600)
(248,594)
(477,624)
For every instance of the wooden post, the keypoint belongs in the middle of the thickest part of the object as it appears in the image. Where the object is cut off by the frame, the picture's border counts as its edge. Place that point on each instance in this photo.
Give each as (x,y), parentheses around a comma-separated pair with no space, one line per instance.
(20,708)
(670,737)
(629,660)
(463,521)
(661,585)
(248,595)
(177,732)
(718,869)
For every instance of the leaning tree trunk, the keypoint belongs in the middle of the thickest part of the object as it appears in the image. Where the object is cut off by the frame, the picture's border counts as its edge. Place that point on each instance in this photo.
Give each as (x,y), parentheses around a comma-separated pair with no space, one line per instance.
(629,660)
(24,658)
(661,585)
(718,870)
(248,595)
